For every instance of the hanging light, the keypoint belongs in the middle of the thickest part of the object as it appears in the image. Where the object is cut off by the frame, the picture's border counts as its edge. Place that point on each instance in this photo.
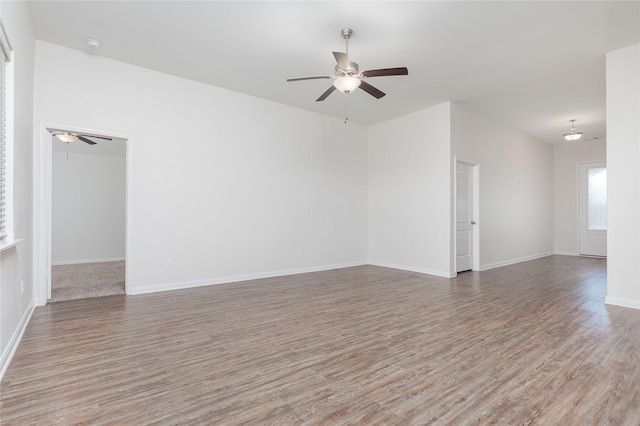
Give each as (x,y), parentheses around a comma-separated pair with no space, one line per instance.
(346,83)
(573,134)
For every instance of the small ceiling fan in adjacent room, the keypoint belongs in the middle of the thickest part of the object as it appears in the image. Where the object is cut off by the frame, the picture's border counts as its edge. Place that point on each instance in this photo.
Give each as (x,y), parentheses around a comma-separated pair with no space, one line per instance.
(70,137)
(348,78)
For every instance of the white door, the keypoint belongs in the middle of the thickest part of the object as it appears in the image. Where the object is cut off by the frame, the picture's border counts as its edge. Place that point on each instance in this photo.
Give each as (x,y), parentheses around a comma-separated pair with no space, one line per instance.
(592,211)
(464,217)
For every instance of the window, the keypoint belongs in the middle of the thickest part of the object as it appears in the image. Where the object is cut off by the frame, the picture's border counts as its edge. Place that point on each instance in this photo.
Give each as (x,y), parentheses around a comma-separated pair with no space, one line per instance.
(597,198)
(5,58)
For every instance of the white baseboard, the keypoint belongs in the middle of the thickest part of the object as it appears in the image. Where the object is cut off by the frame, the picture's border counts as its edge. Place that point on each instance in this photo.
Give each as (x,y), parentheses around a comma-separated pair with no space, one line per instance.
(75,262)
(11,348)
(154,288)
(444,274)
(514,261)
(566,253)
(625,303)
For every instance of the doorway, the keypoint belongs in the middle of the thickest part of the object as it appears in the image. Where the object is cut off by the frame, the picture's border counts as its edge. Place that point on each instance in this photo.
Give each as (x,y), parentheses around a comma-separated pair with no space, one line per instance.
(88,216)
(43,164)
(592,209)
(467,237)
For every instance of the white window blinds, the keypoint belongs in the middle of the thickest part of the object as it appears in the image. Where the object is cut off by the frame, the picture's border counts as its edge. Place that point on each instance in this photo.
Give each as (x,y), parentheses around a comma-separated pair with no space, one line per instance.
(5,57)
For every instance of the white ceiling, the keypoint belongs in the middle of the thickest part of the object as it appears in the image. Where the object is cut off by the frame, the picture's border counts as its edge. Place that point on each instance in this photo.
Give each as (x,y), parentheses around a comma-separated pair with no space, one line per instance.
(533,65)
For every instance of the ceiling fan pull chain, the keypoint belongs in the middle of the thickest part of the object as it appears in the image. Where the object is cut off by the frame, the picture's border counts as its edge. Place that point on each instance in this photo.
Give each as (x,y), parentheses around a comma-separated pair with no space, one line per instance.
(346,109)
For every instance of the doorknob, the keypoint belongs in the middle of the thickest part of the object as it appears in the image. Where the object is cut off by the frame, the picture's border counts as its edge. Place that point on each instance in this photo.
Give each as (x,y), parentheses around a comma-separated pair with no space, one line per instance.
(473,222)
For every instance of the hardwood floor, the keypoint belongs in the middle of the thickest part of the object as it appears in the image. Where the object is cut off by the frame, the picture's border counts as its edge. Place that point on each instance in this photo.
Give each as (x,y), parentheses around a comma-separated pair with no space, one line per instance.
(528,343)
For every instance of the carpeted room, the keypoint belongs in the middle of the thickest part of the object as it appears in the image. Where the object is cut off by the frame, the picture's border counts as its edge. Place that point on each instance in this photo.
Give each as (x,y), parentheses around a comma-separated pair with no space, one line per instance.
(88,220)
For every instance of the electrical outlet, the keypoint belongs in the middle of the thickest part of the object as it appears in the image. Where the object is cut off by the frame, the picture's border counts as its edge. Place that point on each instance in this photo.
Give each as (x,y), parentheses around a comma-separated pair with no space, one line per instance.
(169,263)
(21,287)
(285,253)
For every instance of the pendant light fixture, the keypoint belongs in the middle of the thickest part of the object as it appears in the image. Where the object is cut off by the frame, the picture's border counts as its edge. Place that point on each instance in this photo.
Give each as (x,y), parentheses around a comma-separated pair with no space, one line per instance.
(573,134)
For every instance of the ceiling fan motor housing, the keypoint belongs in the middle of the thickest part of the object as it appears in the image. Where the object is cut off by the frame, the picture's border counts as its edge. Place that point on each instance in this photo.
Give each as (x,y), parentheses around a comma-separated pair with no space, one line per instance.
(349,72)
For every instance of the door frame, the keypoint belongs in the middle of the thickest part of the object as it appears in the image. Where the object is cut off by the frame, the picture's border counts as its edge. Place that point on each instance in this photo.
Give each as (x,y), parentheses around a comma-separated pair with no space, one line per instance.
(42,201)
(475,185)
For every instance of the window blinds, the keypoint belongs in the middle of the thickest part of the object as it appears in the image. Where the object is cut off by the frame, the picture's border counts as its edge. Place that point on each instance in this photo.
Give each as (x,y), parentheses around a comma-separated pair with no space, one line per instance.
(5,57)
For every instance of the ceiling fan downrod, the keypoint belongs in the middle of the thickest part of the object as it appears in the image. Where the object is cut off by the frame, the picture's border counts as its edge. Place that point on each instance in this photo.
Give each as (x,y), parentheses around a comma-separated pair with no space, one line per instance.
(346,34)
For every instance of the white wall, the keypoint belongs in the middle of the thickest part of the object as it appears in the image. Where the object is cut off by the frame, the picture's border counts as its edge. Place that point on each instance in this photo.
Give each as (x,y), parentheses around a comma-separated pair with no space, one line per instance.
(623,177)
(221,182)
(16,263)
(409,192)
(88,208)
(516,187)
(565,190)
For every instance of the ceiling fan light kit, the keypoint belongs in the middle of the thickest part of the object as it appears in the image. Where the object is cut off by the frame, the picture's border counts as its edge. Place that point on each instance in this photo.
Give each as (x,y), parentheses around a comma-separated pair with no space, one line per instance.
(67,137)
(346,84)
(573,134)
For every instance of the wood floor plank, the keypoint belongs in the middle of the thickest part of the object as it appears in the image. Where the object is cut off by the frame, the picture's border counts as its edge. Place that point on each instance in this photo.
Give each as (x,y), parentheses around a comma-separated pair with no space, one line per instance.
(527,343)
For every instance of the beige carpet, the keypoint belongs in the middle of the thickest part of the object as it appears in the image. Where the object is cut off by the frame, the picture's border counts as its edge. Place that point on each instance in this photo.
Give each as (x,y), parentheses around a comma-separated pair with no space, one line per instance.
(85,280)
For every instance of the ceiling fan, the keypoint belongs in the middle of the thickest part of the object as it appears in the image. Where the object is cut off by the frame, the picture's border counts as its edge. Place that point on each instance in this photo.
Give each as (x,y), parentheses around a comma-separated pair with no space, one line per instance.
(70,137)
(348,78)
